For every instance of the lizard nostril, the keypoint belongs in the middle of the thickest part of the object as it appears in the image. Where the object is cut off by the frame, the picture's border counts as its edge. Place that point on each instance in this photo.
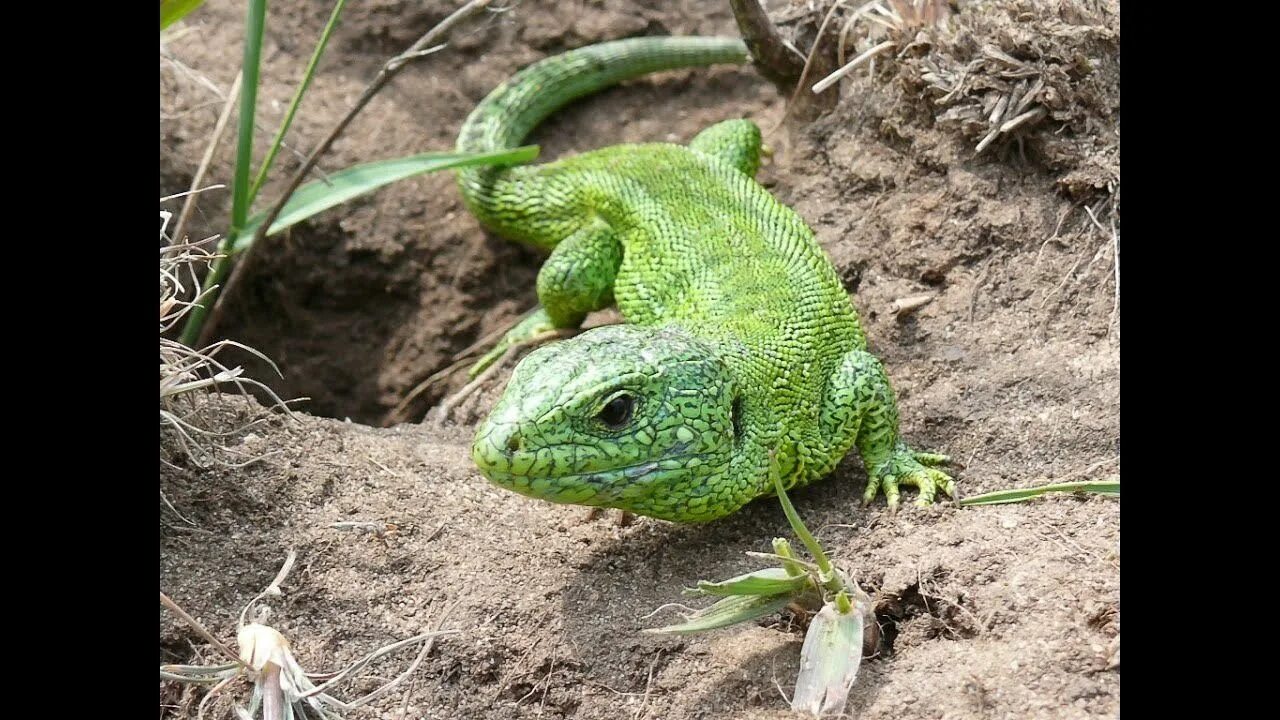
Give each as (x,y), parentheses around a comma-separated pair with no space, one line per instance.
(514,442)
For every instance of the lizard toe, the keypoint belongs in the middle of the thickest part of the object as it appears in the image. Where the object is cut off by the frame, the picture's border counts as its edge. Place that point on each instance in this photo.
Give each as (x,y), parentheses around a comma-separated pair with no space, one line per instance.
(911,469)
(931,459)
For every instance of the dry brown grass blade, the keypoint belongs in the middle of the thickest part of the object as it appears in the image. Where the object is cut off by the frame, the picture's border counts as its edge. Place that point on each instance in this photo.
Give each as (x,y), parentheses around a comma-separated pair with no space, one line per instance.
(195,625)
(852,65)
(448,404)
(807,107)
(219,129)
(187,373)
(460,360)
(279,681)
(274,587)
(901,19)
(1115,256)
(318,691)
(417,661)
(397,414)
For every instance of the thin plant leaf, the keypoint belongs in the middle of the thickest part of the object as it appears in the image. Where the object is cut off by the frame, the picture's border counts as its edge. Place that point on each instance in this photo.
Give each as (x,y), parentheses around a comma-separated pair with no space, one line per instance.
(171,11)
(770,581)
(826,572)
(321,195)
(1110,486)
(829,661)
(255,23)
(310,72)
(727,611)
(788,561)
(318,196)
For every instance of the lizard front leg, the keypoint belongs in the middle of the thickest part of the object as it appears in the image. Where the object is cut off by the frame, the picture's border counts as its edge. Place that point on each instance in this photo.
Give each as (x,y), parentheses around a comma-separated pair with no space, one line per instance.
(859,410)
(576,279)
(736,142)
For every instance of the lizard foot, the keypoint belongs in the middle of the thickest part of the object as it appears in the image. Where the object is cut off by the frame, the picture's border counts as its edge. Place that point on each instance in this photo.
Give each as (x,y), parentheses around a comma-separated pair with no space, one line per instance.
(906,467)
(523,333)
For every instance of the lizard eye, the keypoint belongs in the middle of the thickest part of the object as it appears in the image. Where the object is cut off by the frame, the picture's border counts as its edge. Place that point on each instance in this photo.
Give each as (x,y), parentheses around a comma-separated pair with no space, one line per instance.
(617,412)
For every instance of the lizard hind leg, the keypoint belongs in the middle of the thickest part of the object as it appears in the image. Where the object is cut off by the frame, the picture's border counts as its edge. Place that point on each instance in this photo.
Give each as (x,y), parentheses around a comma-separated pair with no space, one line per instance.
(736,142)
(576,279)
(859,410)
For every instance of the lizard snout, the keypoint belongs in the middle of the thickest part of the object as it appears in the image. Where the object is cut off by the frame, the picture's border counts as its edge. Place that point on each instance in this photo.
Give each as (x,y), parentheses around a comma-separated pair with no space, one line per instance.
(512,441)
(500,447)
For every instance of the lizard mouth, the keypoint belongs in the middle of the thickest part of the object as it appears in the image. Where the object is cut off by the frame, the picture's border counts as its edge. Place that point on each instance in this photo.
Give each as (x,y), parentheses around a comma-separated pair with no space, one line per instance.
(597,487)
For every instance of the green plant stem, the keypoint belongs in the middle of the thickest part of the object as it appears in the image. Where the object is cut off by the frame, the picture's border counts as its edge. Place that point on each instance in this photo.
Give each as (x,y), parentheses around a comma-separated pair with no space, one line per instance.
(824,565)
(218,269)
(783,549)
(297,100)
(254,25)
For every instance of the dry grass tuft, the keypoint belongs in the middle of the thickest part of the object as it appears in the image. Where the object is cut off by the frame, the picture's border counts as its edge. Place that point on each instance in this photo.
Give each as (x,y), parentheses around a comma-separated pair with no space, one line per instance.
(187,375)
(281,689)
(998,73)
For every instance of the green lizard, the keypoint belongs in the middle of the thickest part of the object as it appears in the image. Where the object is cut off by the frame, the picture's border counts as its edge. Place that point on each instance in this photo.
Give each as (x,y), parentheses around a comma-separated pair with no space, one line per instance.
(742,354)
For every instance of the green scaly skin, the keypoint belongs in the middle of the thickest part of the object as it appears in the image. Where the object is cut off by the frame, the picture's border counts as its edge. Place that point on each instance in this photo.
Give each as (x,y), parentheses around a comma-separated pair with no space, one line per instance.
(742,353)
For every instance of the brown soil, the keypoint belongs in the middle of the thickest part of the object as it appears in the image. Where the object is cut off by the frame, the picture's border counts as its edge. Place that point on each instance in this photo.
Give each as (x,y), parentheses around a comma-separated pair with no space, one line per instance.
(1012,368)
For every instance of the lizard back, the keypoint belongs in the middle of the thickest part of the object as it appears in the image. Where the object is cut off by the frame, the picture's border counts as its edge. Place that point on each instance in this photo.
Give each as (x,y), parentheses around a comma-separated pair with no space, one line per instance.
(742,359)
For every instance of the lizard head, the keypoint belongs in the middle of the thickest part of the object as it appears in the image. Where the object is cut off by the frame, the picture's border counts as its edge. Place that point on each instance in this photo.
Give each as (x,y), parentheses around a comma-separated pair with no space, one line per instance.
(638,418)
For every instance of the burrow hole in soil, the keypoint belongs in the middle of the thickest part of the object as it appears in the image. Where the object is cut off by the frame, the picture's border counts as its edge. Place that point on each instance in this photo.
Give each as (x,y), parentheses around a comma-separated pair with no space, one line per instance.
(944,618)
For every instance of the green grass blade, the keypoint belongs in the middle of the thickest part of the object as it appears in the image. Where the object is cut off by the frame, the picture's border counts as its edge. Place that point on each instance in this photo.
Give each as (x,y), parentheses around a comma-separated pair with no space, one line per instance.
(171,11)
(793,564)
(826,572)
(1110,486)
(343,185)
(297,100)
(255,22)
(727,611)
(318,196)
(770,581)
(254,25)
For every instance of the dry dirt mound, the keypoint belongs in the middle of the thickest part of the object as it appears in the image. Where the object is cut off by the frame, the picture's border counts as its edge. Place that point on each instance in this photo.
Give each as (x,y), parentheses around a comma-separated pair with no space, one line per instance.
(1012,367)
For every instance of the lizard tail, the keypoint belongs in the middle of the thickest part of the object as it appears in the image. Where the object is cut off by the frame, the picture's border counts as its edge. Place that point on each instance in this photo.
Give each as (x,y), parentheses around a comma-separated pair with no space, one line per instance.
(515,107)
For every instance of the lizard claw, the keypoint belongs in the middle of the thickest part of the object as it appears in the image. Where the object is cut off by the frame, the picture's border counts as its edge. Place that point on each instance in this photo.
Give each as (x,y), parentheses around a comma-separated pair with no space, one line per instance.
(905,467)
(930,459)
(533,325)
